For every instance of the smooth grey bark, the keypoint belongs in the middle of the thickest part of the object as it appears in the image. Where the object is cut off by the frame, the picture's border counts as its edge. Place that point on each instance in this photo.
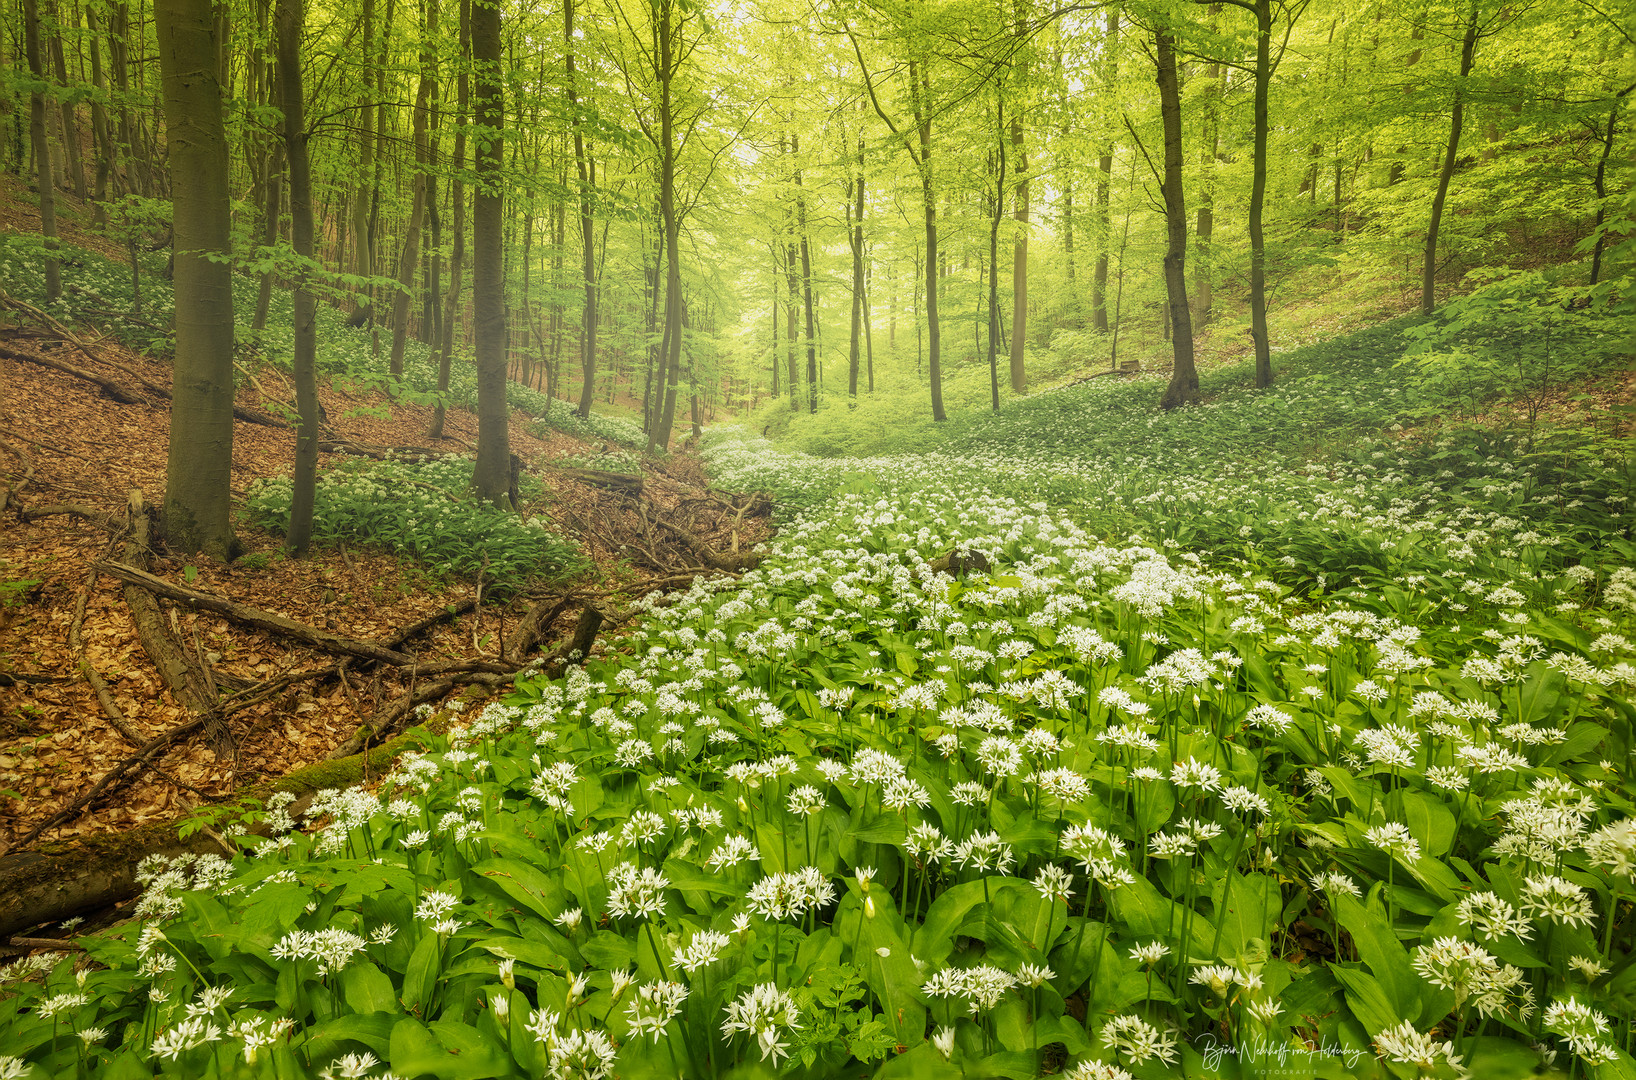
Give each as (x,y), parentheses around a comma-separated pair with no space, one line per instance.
(491,478)
(42,150)
(1184,377)
(1428,274)
(304,352)
(198,475)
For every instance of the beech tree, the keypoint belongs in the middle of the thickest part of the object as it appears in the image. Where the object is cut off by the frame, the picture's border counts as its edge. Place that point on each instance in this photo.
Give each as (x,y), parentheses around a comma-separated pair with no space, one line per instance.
(198,475)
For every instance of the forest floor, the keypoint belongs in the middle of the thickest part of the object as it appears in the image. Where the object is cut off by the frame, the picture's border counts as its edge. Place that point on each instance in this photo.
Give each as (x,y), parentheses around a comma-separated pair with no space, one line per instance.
(66,442)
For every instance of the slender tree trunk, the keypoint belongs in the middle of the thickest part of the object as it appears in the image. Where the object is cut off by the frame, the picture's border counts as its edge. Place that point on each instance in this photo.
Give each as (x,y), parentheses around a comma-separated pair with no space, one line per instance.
(998,211)
(198,476)
(806,282)
(70,123)
(778,347)
(492,476)
(101,135)
(305,352)
(856,236)
(363,260)
(792,291)
(670,368)
(1600,183)
(42,150)
(457,198)
(1205,214)
(1428,278)
(1104,184)
(587,227)
(402,300)
(1184,379)
(1258,194)
(1019,246)
(919,90)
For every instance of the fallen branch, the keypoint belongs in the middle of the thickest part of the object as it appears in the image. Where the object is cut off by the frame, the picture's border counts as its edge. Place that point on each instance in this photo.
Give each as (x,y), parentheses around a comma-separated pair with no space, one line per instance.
(119,392)
(80,510)
(257,617)
(624,483)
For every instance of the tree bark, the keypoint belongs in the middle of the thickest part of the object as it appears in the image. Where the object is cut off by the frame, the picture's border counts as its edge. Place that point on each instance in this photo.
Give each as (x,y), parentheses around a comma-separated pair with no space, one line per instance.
(1104,184)
(1019,246)
(1428,276)
(1184,378)
(457,196)
(1600,184)
(919,83)
(363,251)
(1258,194)
(198,476)
(806,282)
(998,211)
(42,150)
(492,476)
(856,237)
(410,256)
(304,361)
(587,230)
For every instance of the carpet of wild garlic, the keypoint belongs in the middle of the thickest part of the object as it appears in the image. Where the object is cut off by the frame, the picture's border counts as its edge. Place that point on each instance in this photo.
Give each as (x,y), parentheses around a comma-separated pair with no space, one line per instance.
(1325,778)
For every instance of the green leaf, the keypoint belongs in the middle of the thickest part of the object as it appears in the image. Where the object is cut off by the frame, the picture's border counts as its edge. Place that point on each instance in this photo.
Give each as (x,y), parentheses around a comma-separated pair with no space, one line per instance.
(367,989)
(421,979)
(1379,947)
(1366,999)
(608,951)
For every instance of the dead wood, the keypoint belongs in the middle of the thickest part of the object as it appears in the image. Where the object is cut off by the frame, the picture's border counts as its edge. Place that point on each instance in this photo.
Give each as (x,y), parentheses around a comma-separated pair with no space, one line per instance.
(257,617)
(734,562)
(118,391)
(530,631)
(61,880)
(379,453)
(189,686)
(10,492)
(80,510)
(27,678)
(441,615)
(956,563)
(625,483)
(29,944)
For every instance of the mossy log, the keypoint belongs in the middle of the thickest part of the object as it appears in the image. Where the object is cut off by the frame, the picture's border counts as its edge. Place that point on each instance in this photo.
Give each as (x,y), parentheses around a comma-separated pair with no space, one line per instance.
(59,880)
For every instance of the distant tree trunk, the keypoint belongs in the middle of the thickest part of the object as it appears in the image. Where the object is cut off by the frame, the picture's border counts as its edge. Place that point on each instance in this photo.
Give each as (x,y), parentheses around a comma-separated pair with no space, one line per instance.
(409,259)
(868,325)
(1205,214)
(1019,246)
(305,350)
(1600,183)
(806,282)
(198,476)
(792,290)
(1428,280)
(1184,378)
(70,125)
(856,236)
(1104,183)
(492,476)
(1258,194)
(42,150)
(998,211)
(587,227)
(101,135)
(778,348)
(363,253)
(269,234)
(666,65)
(457,197)
(919,83)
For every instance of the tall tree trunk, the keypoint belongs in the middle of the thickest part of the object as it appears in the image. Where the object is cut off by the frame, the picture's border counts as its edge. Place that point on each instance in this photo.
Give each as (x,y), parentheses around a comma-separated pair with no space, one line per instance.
(198,475)
(1104,184)
(492,476)
(778,348)
(457,198)
(70,123)
(855,212)
(806,281)
(1019,246)
(269,232)
(670,368)
(1184,378)
(792,293)
(920,87)
(1428,277)
(305,350)
(868,333)
(402,300)
(1600,183)
(1258,194)
(587,227)
(363,252)
(42,150)
(101,135)
(997,212)
(1205,214)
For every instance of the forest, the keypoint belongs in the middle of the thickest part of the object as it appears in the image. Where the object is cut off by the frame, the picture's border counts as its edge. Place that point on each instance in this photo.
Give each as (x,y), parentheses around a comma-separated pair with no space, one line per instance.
(817,538)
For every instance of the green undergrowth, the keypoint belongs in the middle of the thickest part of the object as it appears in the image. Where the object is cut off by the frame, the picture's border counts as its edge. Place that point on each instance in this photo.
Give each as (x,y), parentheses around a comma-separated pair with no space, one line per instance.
(425,511)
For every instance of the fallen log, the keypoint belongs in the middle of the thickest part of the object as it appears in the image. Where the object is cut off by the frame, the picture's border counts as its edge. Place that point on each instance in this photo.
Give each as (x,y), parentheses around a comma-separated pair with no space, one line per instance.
(379,453)
(625,483)
(257,617)
(79,510)
(530,631)
(61,880)
(118,391)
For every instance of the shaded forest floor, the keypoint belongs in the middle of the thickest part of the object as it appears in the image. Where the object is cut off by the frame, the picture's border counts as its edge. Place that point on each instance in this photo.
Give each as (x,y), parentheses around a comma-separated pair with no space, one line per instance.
(66,442)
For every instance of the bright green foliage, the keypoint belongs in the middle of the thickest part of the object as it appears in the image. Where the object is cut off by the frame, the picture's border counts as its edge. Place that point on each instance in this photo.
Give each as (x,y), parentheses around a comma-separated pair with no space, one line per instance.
(422,512)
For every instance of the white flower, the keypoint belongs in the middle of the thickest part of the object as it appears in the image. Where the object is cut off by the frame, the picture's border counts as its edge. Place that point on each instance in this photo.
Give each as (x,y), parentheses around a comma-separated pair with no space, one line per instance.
(766,1013)
(1394,839)
(1406,1046)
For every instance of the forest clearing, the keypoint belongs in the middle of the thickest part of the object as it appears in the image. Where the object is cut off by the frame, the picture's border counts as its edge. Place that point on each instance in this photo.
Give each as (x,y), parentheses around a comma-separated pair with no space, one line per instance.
(696,539)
